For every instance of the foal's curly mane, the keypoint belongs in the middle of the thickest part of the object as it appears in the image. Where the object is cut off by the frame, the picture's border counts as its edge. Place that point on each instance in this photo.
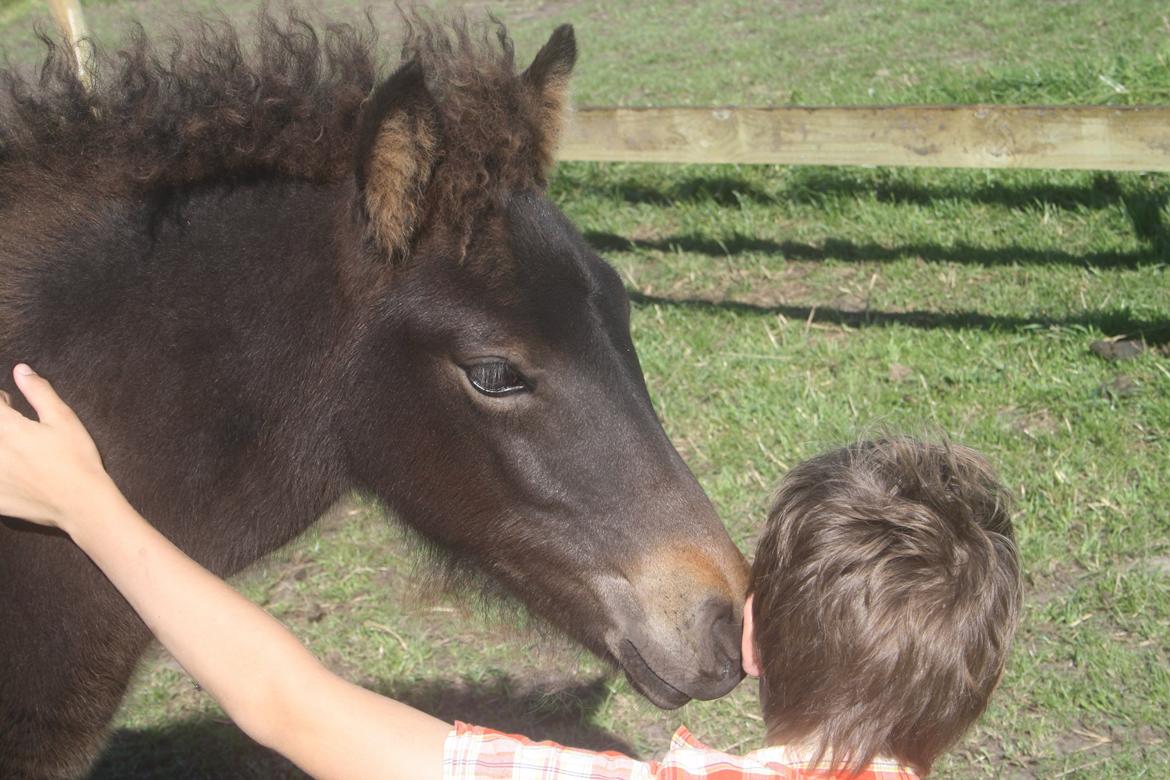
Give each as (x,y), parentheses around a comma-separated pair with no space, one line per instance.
(203,108)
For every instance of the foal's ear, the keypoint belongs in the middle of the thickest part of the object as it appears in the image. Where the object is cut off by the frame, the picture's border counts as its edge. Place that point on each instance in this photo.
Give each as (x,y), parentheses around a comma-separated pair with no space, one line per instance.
(397,142)
(548,79)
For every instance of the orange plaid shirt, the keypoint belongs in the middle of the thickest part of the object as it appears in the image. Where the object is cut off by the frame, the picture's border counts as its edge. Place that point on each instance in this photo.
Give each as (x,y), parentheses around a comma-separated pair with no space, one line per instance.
(477,753)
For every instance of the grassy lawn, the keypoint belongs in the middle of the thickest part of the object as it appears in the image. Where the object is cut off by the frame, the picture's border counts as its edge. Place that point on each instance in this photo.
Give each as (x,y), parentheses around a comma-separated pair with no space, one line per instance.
(779,311)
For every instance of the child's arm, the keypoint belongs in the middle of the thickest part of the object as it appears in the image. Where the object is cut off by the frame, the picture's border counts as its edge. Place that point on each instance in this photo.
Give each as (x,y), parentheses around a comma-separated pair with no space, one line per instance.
(266,681)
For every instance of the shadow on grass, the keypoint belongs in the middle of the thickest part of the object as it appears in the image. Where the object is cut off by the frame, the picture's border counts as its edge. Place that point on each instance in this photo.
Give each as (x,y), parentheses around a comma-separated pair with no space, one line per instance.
(558,708)
(211,748)
(1146,207)
(720,190)
(1104,190)
(1111,323)
(204,748)
(841,249)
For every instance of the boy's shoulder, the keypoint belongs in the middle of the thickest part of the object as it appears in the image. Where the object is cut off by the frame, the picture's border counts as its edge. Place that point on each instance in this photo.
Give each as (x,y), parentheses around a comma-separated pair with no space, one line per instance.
(688,752)
(478,752)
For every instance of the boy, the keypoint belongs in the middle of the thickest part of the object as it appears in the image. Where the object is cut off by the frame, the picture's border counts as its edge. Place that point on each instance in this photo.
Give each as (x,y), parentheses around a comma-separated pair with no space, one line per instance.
(884,596)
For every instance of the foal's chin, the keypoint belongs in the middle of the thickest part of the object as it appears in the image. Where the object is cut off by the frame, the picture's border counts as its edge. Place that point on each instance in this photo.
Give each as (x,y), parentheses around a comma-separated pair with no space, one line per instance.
(668,686)
(646,682)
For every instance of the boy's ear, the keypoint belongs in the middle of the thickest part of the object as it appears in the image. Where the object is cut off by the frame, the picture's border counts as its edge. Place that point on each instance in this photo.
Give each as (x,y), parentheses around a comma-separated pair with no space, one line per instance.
(397,144)
(751,664)
(548,79)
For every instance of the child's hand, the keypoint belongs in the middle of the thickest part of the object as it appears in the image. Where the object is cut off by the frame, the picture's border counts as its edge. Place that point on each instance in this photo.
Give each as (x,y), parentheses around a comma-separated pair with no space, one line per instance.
(48,469)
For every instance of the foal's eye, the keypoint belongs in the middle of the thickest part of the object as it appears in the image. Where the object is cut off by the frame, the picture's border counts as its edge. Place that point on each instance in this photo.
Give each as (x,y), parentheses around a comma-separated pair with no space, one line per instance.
(496,378)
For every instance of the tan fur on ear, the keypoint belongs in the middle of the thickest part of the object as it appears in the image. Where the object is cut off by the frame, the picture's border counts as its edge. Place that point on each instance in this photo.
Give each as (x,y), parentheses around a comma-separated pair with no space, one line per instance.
(547,79)
(553,117)
(400,164)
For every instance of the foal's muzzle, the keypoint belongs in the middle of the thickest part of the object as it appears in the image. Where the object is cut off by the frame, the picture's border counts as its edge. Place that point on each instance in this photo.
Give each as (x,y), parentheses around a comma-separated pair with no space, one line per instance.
(677,632)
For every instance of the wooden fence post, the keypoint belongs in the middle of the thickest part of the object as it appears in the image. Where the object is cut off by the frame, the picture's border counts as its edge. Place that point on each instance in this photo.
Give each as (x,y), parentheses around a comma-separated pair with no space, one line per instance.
(72,23)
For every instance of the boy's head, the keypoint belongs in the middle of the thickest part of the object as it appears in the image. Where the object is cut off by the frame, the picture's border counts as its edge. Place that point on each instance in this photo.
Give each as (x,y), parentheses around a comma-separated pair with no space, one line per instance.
(885,592)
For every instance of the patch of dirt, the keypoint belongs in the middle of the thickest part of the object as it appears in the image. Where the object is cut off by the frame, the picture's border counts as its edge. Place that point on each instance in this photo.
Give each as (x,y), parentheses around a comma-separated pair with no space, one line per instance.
(1082,746)
(1031,423)
(1117,349)
(1119,387)
(339,515)
(900,373)
(848,291)
(784,285)
(1095,744)
(520,11)
(1042,588)
(1160,564)
(648,231)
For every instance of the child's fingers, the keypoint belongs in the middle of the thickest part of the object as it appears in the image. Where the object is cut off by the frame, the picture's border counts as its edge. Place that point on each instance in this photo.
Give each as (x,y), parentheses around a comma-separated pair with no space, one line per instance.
(48,405)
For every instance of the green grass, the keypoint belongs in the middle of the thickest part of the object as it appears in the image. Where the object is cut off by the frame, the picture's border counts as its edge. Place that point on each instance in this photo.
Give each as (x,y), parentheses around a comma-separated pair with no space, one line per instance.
(779,311)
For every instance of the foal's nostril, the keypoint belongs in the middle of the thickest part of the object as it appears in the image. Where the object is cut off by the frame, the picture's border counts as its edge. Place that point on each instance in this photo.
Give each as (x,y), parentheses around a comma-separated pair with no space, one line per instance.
(716,619)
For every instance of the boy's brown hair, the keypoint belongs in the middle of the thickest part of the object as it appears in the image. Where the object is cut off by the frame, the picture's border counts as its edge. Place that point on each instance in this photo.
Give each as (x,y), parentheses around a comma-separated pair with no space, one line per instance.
(886,590)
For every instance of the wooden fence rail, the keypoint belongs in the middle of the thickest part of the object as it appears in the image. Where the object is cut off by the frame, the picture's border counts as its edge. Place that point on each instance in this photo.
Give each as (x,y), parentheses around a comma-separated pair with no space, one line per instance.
(981,136)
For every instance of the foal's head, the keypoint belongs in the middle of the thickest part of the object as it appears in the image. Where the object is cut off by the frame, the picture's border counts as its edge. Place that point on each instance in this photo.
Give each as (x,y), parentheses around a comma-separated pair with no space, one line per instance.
(498,403)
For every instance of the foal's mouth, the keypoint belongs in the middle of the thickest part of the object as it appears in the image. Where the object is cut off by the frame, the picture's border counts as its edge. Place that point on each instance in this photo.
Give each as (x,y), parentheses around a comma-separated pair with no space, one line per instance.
(646,681)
